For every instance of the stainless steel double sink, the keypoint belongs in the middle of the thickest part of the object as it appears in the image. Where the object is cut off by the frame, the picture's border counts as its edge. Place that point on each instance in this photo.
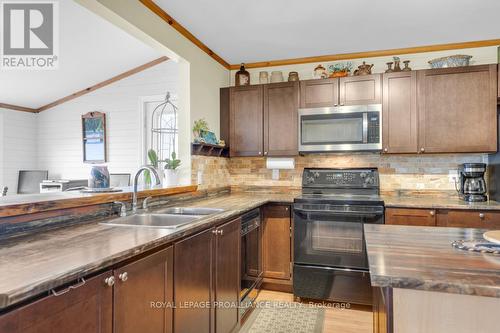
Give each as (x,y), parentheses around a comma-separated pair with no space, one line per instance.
(167,218)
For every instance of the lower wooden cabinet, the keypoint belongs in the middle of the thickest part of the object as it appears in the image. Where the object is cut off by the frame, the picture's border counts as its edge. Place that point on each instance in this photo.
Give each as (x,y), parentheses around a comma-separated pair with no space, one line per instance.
(468,219)
(382,310)
(277,244)
(81,309)
(410,216)
(206,273)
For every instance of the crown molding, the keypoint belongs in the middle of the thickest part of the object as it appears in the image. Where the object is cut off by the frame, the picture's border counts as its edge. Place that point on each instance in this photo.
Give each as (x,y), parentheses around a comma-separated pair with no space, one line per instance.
(17,108)
(151,5)
(370,54)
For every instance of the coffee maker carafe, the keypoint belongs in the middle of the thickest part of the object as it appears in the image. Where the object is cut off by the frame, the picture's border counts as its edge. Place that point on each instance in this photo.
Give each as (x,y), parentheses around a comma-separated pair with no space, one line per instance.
(472,184)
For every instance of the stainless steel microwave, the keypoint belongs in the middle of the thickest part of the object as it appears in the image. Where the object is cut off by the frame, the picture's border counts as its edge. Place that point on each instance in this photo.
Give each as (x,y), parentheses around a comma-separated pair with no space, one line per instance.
(343,128)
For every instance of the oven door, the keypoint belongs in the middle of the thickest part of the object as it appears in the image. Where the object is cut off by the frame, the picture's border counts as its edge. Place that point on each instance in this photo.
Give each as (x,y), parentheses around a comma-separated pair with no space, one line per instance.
(340,128)
(332,235)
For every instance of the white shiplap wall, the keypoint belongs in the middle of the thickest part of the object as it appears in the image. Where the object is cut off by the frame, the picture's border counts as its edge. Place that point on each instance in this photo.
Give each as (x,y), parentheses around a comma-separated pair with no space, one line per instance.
(59,129)
(18,146)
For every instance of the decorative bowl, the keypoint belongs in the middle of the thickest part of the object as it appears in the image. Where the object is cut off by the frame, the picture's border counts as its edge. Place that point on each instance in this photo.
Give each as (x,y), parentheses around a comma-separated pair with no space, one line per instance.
(457,60)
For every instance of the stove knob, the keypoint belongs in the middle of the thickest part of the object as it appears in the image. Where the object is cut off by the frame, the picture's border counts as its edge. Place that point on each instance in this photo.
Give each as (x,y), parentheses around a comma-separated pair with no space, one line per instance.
(316,175)
(310,180)
(363,175)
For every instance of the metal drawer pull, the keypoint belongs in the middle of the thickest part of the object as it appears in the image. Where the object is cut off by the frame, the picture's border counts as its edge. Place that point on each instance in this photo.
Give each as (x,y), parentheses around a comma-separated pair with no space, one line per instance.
(432,213)
(75,286)
(109,281)
(123,276)
(481,216)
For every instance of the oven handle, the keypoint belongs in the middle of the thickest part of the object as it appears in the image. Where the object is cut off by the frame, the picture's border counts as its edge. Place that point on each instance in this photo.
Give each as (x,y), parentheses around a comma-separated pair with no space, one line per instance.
(358,270)
(338,212)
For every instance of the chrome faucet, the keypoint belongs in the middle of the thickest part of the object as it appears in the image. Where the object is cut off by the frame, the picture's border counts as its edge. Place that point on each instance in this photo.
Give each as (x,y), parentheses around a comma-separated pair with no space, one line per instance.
(153,172)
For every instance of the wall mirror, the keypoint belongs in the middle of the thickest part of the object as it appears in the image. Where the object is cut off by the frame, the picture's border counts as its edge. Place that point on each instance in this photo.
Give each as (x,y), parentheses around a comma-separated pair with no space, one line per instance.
(94,137)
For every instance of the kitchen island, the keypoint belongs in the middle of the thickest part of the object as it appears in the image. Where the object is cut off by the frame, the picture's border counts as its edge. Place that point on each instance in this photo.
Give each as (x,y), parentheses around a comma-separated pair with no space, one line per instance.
(423,284)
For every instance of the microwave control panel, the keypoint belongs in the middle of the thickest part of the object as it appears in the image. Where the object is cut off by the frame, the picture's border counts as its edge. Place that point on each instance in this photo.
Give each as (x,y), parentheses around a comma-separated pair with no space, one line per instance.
(373,127)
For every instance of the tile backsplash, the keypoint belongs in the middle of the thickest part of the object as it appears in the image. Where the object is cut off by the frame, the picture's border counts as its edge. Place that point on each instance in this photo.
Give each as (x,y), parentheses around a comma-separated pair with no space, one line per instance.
(397,172)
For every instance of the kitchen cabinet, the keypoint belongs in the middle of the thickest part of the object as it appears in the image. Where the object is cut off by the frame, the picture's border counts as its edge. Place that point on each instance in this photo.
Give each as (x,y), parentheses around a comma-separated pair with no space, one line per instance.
(457,109)
(399,113)
(281,103)
(319,93)
(246,121)
(85,307)
(382,310)
(410,216)
(277,244)
(139,283)
(359,90)
(468,219)
(206,272)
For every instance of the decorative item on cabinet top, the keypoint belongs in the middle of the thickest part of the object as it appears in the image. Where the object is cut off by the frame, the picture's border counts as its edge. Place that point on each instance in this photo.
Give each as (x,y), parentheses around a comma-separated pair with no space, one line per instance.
(340,69)
(457,60)
(363,69)
(242,76)
(293,76)
(320,72)
(277,76)
(263,77)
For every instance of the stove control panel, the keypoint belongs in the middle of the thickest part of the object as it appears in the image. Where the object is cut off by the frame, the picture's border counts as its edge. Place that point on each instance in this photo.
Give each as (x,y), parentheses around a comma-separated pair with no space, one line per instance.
(345,178)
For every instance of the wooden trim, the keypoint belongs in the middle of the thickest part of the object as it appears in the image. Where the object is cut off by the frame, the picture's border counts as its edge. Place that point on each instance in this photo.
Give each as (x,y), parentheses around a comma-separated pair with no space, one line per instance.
(370,54)
(183,31)
(17,108)
(103,83)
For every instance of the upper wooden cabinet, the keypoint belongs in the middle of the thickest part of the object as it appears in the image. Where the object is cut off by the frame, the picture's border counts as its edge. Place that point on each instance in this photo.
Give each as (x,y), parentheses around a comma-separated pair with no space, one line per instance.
(399,108)
(457,109)
(358,90)
(86,307)
(319,93)
(246,121)
(281,103)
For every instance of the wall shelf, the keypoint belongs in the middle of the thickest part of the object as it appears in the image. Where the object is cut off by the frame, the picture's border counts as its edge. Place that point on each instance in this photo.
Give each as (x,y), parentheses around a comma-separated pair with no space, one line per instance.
(206,149)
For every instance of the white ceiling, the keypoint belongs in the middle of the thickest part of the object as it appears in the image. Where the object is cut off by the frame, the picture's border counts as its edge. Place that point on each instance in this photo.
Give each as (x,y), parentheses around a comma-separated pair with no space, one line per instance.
(262,30)
(91,50)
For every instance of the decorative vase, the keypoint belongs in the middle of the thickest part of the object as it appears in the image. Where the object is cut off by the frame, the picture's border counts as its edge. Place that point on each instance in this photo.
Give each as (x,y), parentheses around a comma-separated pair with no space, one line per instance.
(276,76)
(263,77)
(242,77)
(406,68)
(397,67)
(99,177)
(320,72)
(339,74)
(171,178)
(389,67)
(293,76)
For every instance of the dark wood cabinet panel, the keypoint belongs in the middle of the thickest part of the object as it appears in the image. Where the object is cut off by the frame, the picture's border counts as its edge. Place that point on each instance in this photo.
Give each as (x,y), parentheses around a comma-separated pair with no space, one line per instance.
(382,310)
(246,121)
(227,277)
(356,90)
(281,102)
(276,242)
(468,219)
(87,308)
(319,93)
(457,109)
(410,216)
(224,115)
(193,283)
(138,284)
(399,118)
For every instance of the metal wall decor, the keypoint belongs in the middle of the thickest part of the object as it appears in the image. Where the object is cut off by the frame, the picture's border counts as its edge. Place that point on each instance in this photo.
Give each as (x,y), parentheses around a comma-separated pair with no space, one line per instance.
(164,129)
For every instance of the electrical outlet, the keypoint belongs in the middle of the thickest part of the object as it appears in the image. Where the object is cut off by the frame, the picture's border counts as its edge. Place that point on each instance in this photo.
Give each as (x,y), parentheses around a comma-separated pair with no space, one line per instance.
(453,176)
(200,177)
(420,186)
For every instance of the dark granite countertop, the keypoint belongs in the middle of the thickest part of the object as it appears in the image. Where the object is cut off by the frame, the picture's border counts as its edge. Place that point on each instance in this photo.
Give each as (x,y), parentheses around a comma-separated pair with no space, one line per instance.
(436,201)
(422,258)
(35,264)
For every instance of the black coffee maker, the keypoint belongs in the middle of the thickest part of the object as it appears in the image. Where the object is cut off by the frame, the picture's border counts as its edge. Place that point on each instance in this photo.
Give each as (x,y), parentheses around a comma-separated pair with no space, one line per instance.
(472,183)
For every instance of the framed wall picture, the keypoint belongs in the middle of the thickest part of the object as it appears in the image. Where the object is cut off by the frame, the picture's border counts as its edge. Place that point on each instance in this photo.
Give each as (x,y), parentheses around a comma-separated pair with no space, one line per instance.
(94,137)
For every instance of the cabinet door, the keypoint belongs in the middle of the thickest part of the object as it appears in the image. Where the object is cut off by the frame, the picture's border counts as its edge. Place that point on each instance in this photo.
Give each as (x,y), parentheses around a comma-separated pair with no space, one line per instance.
(227,277)
(469,219)
(281,101)
(405,216)
(399,116)
(193,283)
(457,109)
(137,285)
(276,242)
(83,309)
(356,90)
(319,93)
(246,121)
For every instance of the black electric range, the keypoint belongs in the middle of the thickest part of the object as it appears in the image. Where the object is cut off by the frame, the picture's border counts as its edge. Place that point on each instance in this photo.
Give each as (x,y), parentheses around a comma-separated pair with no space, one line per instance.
(330,261)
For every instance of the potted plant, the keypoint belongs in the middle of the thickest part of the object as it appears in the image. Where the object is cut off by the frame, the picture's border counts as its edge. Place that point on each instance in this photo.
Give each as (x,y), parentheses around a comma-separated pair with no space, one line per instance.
(153,160)
(340,69)
(171,165)
(199,126)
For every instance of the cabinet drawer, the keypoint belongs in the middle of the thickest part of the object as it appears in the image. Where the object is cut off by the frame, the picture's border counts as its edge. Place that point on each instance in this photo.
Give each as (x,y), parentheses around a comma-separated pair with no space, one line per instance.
(469,219)
(405,216)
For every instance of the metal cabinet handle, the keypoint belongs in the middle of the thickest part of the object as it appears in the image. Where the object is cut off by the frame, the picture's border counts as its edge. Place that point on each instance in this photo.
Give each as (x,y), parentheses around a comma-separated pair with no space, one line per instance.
(265,153)
(62,292)
(215,232)
(422,149)
(260,153)
(221,232)
(335,104)
(109,281)
(481,216)
(432,212)
(386,150)
(123,276)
